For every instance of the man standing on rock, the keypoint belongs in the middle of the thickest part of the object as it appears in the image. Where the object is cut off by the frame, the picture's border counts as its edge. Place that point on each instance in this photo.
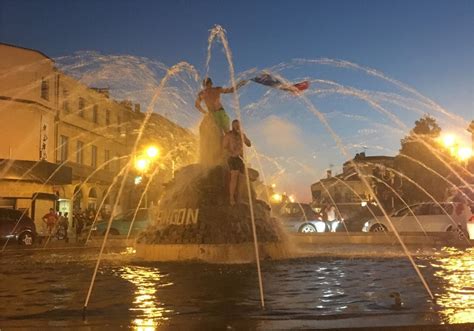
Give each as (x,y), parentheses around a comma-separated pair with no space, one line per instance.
(212,98)
(235,146)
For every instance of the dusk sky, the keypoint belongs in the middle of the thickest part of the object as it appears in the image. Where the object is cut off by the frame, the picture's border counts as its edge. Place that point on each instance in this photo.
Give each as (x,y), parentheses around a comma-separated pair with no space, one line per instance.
(427,45)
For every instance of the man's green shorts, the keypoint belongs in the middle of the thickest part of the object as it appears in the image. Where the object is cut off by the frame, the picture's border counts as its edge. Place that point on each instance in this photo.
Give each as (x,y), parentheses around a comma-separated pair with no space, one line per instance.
(221,118)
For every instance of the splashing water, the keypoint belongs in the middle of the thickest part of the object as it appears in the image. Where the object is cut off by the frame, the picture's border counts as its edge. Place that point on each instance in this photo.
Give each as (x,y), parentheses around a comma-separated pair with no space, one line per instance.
(344,110)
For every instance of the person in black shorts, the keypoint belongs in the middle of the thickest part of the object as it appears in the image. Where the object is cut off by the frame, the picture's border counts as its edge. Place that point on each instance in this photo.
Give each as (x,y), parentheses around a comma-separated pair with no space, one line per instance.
(234,144)
(236,164)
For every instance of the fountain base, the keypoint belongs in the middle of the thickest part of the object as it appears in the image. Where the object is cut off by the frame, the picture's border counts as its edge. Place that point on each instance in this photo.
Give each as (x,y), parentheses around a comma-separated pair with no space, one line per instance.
(211,253)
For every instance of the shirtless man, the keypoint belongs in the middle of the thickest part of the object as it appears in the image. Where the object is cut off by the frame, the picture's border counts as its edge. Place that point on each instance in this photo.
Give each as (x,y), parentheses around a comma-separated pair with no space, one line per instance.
(234,145)
(212,98)
(50,219)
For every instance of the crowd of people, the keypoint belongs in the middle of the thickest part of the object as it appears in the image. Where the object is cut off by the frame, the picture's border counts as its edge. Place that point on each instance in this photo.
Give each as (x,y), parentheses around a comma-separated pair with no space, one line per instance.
(57,223)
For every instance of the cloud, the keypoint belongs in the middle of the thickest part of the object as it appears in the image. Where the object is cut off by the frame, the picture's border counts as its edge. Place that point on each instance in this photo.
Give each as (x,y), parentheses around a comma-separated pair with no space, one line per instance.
(280,135)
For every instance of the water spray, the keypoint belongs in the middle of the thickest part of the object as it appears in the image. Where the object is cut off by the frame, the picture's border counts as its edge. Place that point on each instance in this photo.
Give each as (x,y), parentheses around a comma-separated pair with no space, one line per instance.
(218,30)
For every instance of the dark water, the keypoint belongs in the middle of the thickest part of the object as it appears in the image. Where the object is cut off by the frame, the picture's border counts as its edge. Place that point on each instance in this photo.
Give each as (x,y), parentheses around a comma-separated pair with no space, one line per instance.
(47,289)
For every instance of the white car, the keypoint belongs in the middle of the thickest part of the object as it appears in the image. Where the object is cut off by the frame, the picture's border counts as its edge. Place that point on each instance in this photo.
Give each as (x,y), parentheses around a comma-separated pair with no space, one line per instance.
(299,217)
(423,217)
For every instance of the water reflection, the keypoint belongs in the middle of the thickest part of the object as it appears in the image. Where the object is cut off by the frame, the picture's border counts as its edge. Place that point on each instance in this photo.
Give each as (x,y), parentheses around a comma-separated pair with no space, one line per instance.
(147,308)
(456,270)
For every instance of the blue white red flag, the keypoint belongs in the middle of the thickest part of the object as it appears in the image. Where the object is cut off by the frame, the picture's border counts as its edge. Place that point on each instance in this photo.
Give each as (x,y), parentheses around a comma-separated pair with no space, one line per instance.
(269,80)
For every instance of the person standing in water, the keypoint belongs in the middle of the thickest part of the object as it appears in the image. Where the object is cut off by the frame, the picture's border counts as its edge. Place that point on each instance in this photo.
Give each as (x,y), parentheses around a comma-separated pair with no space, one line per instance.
(212,98)
(235,146)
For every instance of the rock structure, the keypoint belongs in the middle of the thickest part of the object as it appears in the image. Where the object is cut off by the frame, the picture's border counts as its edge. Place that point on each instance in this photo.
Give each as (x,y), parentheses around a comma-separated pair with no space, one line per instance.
(195,210)
(210,143)
(195,207)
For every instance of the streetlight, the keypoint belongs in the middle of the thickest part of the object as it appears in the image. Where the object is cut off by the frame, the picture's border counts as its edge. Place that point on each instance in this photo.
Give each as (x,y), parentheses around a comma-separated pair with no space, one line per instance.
(152,152)
(464,153)
(448,140)
(142,164)
(277,198)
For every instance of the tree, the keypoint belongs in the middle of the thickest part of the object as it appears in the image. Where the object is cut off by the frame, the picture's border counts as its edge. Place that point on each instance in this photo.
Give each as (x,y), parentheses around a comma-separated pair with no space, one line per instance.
(427,126)
(419,153)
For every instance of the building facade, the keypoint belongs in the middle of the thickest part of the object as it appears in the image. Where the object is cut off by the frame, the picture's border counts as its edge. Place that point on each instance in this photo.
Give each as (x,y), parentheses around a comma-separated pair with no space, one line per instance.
(60,136)
(347,187)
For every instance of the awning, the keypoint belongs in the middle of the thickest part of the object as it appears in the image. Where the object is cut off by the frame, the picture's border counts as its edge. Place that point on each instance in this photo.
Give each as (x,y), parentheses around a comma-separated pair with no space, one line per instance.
(37,171)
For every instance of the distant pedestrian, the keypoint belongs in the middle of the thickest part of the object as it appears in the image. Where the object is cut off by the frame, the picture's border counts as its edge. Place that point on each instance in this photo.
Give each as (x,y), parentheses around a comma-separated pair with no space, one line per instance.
(50,219)
(80,220)
(331,220)
(63,225)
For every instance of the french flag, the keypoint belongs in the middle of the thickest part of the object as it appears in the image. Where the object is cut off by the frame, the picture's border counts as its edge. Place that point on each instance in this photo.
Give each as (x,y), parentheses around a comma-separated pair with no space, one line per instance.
(268,80)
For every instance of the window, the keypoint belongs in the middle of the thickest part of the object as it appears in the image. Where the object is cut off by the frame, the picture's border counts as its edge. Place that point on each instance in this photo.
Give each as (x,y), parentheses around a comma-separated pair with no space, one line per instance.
(94,156)
(63,149)
(66,106)
(95,114)
(402,212)
(348,197)
(441,210)
(45,89)
(81,106)
(80,152)
(118,163)
(421,210)
(291,210)
(65,101)
(316,194)
(107,117)
(106,159)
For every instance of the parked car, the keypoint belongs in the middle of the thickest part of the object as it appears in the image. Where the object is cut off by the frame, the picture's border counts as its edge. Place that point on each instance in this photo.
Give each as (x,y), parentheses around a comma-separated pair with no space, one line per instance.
(121,223)
(430,217)
(16,225)
(299,217)
(356,221)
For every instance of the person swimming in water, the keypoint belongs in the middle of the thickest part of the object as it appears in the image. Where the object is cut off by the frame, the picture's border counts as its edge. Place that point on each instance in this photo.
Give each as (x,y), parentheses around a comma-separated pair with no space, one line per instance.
(212,98)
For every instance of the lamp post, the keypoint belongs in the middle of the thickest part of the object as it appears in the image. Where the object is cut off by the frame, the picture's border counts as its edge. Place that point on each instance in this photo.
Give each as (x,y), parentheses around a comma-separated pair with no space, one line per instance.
(470,129)
(461,153)
(143,162)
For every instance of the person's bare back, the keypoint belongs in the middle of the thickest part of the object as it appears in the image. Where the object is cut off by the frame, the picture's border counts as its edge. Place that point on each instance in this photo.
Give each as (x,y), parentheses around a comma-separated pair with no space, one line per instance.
(211,97)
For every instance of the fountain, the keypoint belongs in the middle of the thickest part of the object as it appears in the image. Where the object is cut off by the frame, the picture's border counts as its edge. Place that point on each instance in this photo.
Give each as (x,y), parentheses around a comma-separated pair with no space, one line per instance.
(195,221)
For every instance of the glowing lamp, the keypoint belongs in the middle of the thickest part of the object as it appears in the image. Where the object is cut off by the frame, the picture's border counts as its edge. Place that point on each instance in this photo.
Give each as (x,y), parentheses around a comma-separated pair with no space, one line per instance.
(152,152)
(138,180)
(276,198)
(464,153)
(141,164)
(449,140)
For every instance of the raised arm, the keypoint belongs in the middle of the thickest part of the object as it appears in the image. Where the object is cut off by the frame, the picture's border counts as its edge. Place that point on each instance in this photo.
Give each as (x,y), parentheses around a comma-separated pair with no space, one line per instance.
(232,89)
(197,103)
(247,141)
